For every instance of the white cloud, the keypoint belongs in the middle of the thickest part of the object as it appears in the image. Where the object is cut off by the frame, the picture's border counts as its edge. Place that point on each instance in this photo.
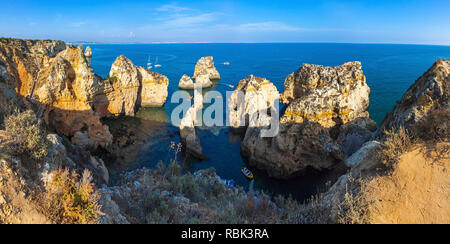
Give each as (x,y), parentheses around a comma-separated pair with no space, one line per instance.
(78,24)
(189,20)
(272,26)
(171,8)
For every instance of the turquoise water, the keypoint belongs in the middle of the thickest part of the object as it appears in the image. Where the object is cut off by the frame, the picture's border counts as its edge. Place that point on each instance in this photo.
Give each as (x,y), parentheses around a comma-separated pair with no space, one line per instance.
(390,70)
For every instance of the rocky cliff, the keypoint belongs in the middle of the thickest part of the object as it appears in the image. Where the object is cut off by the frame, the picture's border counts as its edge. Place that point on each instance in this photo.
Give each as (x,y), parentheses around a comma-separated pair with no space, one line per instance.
(425,107)
(58,81)
(326,120)
(412,188)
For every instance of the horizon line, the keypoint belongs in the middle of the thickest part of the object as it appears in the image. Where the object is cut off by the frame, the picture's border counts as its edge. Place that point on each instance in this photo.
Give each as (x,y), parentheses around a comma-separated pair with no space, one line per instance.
(274,42)
(269,42)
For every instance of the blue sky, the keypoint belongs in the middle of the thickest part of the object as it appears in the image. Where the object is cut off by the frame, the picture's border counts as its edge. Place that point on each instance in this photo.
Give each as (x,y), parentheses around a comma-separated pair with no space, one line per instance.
(381,21)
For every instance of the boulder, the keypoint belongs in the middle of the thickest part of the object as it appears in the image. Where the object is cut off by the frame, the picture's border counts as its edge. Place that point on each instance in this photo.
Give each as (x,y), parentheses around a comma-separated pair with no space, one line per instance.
(206,66)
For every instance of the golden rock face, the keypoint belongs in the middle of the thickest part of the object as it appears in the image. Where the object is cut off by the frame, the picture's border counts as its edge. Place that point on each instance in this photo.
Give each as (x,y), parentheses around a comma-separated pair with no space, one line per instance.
(205,66)
(427,97)
(60,80)
(325,121)
(326,95)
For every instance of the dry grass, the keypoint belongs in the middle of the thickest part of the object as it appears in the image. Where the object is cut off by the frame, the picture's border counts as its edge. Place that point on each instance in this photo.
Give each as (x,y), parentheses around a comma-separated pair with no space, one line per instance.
(395,143)
(356,205)
(69,199)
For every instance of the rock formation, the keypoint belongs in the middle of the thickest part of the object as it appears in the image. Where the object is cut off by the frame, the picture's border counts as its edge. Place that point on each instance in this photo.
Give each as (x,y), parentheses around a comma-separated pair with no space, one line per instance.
(186,83)
(425,107)
(326,95)
(88,54)
(154,88)
(188,131)
(125,82)
(250,102)
(421,198)
(325,121)
(206,66)
(58,81)
(202,80)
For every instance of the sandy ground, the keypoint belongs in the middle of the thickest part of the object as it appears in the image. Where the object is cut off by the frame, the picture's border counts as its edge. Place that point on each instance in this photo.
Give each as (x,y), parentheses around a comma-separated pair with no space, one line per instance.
(418,191)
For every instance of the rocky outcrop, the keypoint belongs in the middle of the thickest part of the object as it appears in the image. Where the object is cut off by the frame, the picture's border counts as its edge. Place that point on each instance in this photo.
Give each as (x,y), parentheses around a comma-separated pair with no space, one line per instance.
(205,66)
(188,129)
(250,102)
(326,120)
(154,88)
(186,83)
(202,81)
(326,95)
(88,54)
(57,81)
(425,107)
(125,81)
(421,198)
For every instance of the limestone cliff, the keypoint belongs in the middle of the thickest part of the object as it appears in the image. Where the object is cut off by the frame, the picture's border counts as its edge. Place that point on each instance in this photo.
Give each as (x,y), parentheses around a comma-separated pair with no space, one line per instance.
(326,120)
(413,189)
(58,82)
(425,107)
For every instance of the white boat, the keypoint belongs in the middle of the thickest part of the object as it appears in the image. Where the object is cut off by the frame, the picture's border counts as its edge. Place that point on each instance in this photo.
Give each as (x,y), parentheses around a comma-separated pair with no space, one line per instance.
(149,63)
(156,63)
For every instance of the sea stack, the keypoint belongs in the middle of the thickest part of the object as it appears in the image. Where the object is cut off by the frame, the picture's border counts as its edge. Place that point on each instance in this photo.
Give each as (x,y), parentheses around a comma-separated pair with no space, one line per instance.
(325,121)
(186,83)
(188,131)
(259,95)
(205,66)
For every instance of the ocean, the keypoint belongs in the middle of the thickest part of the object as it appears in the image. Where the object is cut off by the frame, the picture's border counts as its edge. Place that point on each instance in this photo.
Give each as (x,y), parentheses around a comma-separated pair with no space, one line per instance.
(390,70)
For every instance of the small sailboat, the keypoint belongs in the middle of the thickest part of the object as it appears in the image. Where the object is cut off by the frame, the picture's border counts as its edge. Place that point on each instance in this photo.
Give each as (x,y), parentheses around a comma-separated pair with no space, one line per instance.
(247,173)
(156,63)
(149,63)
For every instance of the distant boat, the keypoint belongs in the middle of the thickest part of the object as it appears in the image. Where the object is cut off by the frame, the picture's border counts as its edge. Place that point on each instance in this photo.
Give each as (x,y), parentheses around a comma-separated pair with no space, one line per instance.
(149,63)
(226,63)
(156,63)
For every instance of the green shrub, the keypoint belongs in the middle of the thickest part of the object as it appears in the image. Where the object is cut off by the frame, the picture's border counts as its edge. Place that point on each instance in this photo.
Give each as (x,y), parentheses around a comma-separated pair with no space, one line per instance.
(27,134)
